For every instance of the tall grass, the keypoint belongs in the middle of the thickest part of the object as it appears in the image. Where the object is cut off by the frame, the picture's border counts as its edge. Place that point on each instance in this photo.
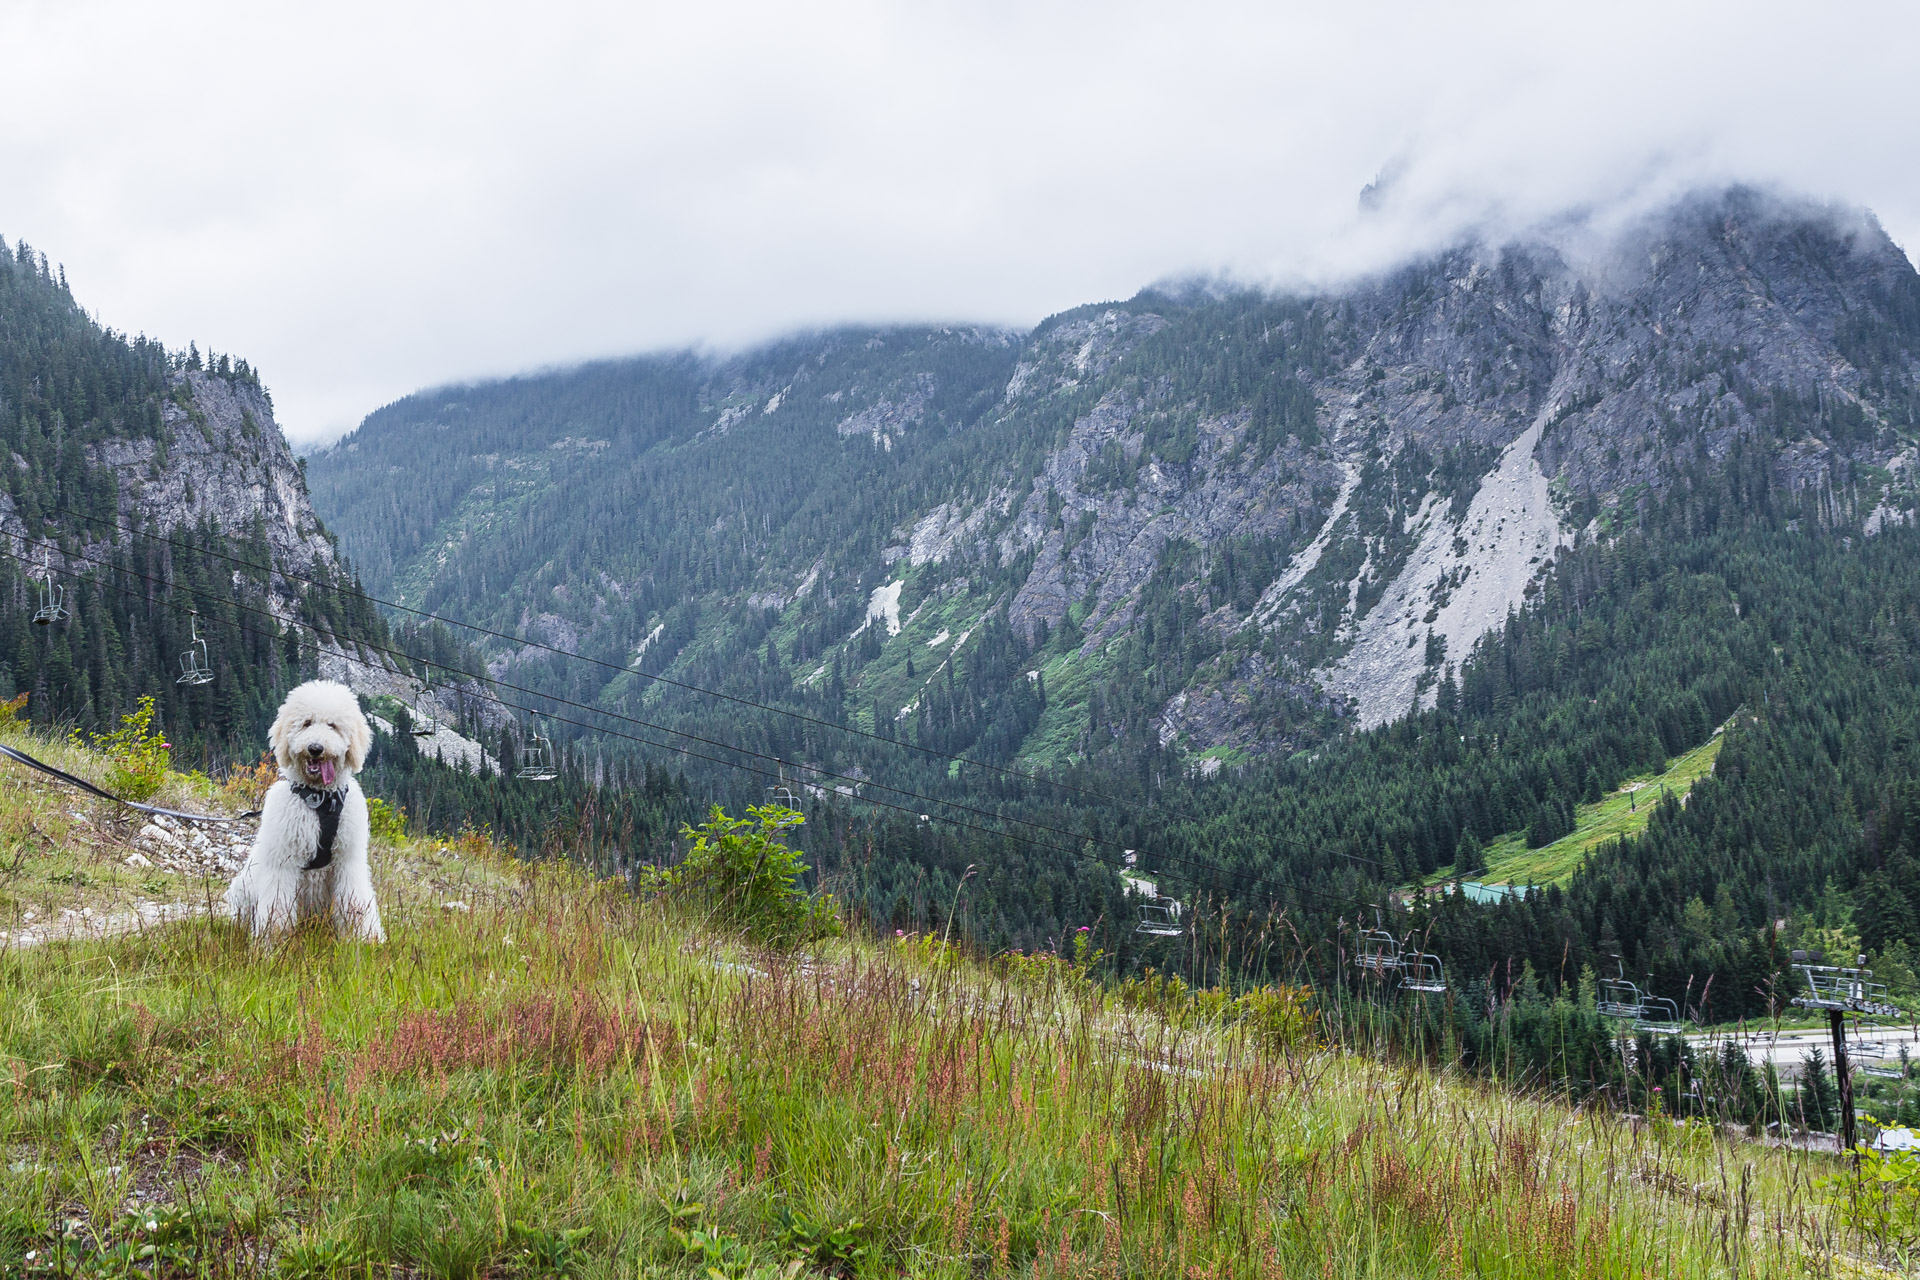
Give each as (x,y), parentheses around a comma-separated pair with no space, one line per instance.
(555,1078)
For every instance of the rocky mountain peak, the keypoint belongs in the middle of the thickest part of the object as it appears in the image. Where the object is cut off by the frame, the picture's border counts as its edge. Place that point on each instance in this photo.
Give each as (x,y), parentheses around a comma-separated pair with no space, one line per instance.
(1221,519)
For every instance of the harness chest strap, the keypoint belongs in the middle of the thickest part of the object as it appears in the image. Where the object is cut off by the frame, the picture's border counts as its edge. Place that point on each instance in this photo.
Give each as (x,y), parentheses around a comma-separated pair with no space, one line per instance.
(327,805)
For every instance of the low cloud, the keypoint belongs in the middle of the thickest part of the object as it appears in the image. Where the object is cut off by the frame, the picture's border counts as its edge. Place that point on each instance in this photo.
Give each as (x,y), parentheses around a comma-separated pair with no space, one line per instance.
(364,199)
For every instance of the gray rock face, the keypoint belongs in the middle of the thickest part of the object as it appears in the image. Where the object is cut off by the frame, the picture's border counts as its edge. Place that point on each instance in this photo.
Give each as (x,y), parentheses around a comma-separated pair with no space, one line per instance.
(1325,498)
(225,465)
(1545,377)
(228,464)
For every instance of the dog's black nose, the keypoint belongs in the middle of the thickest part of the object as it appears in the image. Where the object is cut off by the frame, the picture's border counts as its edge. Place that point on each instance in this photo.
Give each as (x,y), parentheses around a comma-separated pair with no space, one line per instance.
(315,748)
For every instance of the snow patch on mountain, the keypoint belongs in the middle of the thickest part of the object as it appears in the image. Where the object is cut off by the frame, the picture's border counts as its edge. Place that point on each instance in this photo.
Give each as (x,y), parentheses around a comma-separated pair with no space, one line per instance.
(884,606)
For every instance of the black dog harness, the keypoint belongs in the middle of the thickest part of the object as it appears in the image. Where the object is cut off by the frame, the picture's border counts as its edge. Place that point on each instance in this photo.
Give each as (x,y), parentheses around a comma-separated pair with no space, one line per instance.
(327,805)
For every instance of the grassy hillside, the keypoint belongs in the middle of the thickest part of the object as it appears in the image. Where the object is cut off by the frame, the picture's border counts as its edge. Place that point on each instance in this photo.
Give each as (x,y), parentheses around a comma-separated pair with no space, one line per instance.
(1621,813)
(540,1075)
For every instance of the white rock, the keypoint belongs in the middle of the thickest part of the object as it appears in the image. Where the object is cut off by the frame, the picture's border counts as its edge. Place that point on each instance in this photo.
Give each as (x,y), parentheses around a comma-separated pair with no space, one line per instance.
(139,860)
(453,906)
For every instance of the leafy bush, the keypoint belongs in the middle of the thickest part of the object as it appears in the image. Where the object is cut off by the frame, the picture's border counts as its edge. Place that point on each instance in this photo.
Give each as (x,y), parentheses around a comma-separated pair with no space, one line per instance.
(837,1248)
(740,870)
(10,710)
(387,822)
(245,786)
(1280,1017)
(136,754)
(1880,1196)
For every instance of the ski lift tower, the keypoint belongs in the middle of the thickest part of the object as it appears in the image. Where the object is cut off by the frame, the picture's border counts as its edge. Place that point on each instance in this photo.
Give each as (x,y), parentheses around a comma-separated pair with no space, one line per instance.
(1838,991)
(53,596)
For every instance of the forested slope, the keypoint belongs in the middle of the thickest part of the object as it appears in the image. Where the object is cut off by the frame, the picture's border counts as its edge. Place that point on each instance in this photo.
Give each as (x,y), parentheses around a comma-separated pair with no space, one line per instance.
(1574,510)
(145,484)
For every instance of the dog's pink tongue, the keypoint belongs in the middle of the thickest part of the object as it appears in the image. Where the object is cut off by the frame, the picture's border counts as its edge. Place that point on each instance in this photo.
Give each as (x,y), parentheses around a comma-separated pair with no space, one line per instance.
(326,773)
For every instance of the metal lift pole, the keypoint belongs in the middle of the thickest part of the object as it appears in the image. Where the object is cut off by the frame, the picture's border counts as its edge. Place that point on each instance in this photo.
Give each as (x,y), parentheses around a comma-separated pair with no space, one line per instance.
(1836,1019)
(1841,991)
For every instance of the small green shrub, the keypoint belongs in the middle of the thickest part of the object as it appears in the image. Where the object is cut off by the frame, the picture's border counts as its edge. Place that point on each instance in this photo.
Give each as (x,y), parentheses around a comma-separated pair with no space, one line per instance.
(386,821)
(538,1251)
(136,754)
(840,1249)
(742,871)
(318,1259)
(1280,1017)
(1880,1196)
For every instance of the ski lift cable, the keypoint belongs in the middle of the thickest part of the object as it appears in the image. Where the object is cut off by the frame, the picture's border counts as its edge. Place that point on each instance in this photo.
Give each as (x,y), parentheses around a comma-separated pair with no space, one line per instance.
(678,684)
(1203,868)
(1245,879)
(826,775)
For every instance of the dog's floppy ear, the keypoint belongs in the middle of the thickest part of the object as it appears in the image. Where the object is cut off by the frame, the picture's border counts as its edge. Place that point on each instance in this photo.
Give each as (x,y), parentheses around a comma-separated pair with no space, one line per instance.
(280,735)
(359,740)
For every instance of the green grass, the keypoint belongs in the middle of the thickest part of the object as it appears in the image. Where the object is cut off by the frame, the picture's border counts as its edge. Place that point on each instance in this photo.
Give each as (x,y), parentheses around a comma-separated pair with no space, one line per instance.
(558,1079)
(1618,814)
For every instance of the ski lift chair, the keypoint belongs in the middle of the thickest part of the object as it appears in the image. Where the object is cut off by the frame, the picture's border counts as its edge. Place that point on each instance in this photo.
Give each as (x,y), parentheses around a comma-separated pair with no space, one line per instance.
(194,665)
(1658,1015)
(1624,1000)
(53,597)
(1875,1055)
(424,724)
(1378,953)
(1619,998)
(1160,918)
(1421,971)
(536,760)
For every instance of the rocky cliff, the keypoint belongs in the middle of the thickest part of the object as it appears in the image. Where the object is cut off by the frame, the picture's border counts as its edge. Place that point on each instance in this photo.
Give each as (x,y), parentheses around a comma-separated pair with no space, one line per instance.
(145,484)
(1223,519)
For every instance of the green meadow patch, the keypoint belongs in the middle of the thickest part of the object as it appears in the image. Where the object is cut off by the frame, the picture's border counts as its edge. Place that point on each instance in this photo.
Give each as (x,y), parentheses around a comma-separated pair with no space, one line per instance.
(1620,814)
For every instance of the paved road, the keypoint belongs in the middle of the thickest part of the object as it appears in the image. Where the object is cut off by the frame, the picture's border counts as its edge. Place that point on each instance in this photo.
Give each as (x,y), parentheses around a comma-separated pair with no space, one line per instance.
(1869,1046)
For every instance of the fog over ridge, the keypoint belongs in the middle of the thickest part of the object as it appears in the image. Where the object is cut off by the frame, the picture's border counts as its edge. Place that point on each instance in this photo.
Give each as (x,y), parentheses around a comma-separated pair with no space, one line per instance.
(380,198)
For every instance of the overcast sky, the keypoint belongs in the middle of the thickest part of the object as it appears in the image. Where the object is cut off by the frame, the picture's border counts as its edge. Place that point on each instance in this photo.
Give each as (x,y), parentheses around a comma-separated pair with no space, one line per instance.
(367,199)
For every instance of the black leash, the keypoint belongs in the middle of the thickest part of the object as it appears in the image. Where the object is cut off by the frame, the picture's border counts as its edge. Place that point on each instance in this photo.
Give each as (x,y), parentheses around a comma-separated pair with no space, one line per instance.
(25,759)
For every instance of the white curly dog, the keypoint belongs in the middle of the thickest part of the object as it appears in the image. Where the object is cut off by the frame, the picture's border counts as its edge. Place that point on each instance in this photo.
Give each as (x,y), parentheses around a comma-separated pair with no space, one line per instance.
(309,861)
